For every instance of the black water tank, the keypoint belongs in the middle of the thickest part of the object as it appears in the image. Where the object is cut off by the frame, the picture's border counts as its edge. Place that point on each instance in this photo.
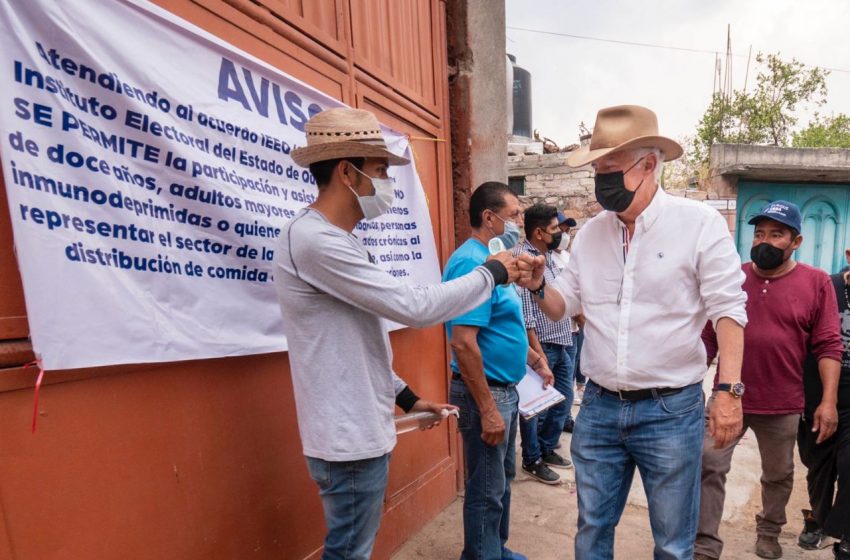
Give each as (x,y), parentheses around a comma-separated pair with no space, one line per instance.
(521,101)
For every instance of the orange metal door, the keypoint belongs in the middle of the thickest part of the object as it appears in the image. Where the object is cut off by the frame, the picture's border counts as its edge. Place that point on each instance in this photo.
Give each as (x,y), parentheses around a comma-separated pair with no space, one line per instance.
(202,459)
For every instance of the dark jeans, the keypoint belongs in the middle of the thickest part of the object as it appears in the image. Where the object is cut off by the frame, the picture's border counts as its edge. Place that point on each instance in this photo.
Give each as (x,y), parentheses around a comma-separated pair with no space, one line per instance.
(489,472)
(828,463)
(540,434)
(578,340)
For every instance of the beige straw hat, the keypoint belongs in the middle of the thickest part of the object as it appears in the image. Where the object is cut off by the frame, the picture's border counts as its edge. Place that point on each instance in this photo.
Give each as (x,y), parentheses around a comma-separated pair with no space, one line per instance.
(625,127)
(343,132)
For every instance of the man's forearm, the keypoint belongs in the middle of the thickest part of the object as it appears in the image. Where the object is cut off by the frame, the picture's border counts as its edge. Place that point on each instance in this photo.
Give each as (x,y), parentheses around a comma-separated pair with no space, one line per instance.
(830,371)
(534,343)
(730,343)
(471,367)
(552,303)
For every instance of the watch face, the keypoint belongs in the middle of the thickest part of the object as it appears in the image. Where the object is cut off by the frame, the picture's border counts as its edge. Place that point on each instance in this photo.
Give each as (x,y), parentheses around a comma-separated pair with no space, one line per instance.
(738,389)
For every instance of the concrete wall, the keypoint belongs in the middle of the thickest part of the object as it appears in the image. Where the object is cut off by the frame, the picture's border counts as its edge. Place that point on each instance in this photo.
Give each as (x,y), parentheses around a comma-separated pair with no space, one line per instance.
(479,107)
(730,163)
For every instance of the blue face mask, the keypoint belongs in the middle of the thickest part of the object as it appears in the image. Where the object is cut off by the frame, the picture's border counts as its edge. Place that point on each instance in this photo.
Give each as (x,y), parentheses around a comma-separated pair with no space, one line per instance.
(511,236)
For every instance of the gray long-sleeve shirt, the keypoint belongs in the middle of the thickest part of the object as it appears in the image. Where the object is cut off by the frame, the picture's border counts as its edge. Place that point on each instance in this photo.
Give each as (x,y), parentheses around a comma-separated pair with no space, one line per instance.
(333,300)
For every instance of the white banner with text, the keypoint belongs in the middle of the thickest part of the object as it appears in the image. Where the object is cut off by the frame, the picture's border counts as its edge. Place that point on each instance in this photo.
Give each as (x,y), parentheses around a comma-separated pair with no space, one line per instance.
(147,170)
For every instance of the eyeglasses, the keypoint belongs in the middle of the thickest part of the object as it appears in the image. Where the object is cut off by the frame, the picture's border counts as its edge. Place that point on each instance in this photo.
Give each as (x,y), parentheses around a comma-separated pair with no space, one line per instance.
(510,218)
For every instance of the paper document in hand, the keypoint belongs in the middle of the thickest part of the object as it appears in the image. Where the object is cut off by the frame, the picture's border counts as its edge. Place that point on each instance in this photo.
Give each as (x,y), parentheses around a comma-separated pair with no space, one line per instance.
(533,398)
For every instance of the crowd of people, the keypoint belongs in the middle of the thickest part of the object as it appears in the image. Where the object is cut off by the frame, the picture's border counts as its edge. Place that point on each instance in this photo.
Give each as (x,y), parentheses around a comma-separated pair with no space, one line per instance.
(644,298)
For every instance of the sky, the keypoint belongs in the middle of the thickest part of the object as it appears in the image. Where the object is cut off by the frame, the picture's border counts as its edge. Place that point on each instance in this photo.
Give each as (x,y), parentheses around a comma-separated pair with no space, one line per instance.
(573,78)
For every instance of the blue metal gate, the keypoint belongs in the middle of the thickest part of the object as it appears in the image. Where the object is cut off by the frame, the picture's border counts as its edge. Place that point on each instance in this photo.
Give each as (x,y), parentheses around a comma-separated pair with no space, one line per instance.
(825,209)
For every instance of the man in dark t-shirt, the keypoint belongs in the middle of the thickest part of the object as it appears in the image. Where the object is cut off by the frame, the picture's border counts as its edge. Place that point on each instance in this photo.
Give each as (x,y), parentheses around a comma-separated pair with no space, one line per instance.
(829,461)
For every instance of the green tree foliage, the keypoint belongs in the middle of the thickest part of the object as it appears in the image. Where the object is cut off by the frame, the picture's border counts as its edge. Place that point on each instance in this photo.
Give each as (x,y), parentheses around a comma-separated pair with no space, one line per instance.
(824,132)
(767,114)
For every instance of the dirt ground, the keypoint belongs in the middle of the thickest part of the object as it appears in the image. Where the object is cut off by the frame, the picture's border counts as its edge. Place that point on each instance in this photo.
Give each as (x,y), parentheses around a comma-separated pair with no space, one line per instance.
(543,518)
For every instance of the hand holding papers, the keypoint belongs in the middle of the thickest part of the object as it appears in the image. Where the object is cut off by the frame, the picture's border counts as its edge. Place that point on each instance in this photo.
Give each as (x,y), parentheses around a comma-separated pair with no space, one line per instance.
(533,398)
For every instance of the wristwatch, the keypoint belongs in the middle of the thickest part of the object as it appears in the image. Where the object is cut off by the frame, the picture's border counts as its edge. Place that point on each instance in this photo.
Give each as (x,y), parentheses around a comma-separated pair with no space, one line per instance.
(735,389)
(539,291)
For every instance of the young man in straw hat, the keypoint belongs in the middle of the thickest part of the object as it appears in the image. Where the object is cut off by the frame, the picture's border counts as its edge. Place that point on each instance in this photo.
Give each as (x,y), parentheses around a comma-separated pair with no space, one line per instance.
(648,272)
(333,300)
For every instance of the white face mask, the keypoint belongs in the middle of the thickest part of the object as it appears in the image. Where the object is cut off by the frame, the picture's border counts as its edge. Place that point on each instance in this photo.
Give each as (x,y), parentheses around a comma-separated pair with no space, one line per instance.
(565,242)
(377,204)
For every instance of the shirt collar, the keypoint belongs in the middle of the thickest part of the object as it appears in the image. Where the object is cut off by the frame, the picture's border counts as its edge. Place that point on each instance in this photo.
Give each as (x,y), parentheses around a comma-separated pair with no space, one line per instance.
(650,214)
(530,248)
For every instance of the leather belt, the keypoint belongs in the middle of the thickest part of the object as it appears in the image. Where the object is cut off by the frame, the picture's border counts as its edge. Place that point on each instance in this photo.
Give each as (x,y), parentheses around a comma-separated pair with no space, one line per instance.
(641,394)
(491,382)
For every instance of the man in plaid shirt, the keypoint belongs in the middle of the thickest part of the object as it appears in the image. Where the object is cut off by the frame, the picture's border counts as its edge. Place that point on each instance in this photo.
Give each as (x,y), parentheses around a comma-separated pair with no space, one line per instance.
(552,340)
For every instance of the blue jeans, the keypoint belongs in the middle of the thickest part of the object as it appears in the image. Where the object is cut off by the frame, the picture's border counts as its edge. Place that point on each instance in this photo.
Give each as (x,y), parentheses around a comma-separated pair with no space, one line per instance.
(489,472)
(540,434)
(662,436)
(352,495)
(578,340)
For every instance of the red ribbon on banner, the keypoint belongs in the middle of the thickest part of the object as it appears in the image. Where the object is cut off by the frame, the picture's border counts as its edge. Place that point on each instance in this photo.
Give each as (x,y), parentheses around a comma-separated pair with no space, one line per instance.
(38,381)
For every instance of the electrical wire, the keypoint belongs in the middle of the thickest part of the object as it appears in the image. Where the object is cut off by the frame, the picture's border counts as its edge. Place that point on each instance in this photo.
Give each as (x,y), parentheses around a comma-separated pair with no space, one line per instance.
(648,45)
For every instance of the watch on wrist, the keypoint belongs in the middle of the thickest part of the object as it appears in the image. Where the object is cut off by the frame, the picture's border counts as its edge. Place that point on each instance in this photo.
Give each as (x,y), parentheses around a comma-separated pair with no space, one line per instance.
(539,291)
(735,389)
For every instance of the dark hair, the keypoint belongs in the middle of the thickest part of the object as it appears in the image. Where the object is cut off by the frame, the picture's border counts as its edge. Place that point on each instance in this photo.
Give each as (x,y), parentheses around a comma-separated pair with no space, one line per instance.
(539,216)
(488,196)
(323,170)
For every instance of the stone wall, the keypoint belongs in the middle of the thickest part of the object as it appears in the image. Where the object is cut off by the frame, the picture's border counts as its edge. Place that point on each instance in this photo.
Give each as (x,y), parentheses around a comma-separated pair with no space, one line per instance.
(548,179)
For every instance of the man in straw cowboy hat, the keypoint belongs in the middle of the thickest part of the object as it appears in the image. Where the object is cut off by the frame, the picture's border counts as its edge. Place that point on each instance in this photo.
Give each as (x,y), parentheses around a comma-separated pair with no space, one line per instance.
(648,272)
(334,301)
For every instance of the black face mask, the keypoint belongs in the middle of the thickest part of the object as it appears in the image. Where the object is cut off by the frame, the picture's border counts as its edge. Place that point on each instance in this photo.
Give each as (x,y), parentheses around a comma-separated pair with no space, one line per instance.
(556,240)
(611,191)
(766,256)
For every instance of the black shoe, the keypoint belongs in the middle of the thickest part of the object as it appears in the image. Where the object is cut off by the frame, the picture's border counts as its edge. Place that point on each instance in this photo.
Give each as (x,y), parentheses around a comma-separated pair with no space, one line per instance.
(841,550)
(568,426)
(541,472)
(554,460)
(810,538)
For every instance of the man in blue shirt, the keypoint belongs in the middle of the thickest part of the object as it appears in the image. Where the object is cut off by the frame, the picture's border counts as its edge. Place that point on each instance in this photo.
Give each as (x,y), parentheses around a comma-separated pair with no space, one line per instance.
(490,352)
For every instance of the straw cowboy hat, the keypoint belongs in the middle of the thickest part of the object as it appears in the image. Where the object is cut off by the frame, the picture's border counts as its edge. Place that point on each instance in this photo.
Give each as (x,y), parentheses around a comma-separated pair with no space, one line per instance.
(625,127)
(341,133)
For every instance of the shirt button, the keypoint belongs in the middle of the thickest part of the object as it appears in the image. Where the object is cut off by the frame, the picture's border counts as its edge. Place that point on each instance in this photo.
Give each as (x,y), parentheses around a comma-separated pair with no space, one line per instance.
(764,291)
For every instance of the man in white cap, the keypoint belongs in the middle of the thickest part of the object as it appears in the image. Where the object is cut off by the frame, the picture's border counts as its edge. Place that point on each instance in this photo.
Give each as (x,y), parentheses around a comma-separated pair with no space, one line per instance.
(648,272)
(334,300)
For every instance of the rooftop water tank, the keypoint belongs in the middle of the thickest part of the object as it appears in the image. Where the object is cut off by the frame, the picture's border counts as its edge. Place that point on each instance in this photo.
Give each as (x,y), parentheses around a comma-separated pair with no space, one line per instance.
(521,100)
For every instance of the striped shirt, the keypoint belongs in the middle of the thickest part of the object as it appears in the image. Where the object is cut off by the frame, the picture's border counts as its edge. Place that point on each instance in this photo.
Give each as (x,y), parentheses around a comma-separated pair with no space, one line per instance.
(553,332)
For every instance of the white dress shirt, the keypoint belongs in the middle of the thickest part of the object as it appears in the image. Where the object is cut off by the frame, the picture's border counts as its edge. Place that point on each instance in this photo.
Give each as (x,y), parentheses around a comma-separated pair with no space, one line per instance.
(647,299)
(562,261)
